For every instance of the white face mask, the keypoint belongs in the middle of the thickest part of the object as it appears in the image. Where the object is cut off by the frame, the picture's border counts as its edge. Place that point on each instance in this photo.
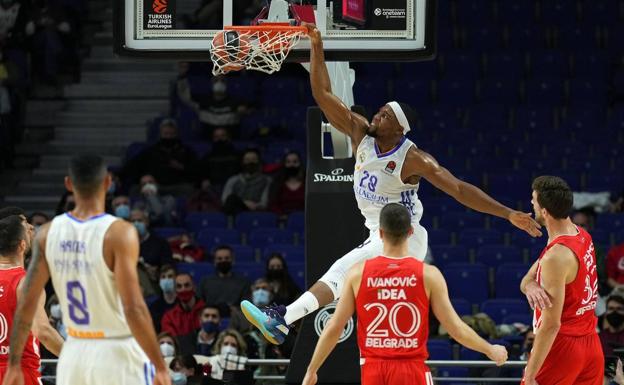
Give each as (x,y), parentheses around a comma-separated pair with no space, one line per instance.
(227,349)
(166,349)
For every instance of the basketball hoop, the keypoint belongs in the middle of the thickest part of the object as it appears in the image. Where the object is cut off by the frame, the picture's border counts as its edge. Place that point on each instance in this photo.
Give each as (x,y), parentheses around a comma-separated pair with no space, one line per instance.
(261,47)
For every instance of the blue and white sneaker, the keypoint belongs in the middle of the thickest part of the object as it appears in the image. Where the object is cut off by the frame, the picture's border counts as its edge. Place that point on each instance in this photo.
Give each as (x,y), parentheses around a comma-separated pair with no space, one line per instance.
(270,321)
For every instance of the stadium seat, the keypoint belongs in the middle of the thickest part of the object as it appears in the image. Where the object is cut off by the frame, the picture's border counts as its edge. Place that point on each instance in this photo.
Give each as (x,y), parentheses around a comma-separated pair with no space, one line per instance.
(461,306)
(296,222)
(474,238)
(609,221)
(438,236)
(498,309)
(456,221)
(243,253)
(549,65)
(261,236)
(247,221)
(210,237)
(507,280)
(445,254)
(292,254)
(250,270)
(168,232)
(194,222)
(496,255)
(196,270)
(469,282)
(523,318)
(470,355)
(439,349)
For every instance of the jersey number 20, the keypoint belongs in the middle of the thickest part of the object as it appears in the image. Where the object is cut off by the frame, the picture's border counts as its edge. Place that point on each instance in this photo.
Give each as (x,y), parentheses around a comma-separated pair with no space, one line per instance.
(77,298)
(373,329)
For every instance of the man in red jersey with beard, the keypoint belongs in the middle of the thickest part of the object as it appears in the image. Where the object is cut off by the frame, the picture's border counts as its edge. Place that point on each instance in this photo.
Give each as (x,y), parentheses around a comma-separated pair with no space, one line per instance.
(391,294)
(15,240)
(562,287)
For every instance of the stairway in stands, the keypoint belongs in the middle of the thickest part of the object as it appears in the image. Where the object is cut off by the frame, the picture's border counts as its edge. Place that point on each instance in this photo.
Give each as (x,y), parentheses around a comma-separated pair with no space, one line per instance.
(102,114)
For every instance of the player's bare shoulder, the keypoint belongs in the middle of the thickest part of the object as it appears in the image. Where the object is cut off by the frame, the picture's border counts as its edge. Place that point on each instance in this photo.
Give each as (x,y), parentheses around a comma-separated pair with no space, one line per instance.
(418,163)
(354,276)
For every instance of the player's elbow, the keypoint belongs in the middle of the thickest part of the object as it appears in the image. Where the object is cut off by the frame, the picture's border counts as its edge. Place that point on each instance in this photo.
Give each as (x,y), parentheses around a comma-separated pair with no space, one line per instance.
(134,311)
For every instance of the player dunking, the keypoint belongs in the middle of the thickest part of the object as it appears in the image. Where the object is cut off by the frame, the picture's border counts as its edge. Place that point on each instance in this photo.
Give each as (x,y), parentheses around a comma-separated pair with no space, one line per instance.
(91,257)
(388,169)
(15,240)
(391,294)
(566,349)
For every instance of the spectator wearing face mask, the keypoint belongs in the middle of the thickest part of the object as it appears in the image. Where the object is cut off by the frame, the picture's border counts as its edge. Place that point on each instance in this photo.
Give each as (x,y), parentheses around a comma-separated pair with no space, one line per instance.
(154,250)
(219,109)
(160,208)
(205,199)
(169,347)
(612,325)
(229,353)
(261,295)
(288,187)
(184,249)
(167,298)
(183,318)
(203,340)
(222,161)
(185,370)
(224,288)
(169,161)
(121,207)
(284,288)
(249,190)
(38,219)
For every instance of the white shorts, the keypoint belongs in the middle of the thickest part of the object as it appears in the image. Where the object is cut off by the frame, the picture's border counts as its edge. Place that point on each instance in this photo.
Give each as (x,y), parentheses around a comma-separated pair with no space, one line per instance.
(119,361)
(372,247)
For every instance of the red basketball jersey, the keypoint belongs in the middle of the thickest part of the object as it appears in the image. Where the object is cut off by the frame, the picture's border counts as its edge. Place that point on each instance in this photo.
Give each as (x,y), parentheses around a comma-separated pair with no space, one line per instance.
(9,280)
(392,310)
(578,317)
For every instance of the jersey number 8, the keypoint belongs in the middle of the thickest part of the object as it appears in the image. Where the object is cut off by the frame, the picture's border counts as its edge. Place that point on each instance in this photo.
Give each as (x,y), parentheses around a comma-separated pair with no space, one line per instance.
(77,298)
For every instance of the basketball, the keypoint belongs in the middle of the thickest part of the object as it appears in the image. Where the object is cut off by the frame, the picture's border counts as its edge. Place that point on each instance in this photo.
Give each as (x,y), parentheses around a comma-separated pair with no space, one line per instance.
(230,49)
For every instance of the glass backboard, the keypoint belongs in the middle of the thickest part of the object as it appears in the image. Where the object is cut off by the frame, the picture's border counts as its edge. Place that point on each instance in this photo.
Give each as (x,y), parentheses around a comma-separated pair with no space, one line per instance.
(353,30)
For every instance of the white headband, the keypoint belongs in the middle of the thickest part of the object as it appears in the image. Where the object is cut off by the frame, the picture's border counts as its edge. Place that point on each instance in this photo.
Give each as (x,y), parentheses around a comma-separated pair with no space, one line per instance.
(400,115)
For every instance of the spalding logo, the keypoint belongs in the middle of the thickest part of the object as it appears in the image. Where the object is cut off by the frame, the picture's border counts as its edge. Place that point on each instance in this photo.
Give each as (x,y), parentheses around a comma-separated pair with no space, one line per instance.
(324,315)
(159,6)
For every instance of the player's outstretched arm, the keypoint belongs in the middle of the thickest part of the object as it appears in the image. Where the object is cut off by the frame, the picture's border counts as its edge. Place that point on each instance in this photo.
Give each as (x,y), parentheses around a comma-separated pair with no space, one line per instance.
(444,312)
(421,163)
(43,331)
(555,265)
(124,242)
(28,302)
(338,114)
(329,338)
(536,295)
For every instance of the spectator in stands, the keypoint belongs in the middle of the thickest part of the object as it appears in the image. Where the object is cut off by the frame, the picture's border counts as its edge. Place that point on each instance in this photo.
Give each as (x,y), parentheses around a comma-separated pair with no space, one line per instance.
(261,295)
(184,249)
(16,23)
(248,190)
(170,161)
(230,353)
(67,203)
(612,325)
(219,109)
(203,339)
(121,206)
(205,199)
(161,208)
(37,219)
(183,318)
(168,345)
(186,371)
(224,288)
(222,161)
(288,187)
(155,251)
(167,298)
(615,266)
(284,288)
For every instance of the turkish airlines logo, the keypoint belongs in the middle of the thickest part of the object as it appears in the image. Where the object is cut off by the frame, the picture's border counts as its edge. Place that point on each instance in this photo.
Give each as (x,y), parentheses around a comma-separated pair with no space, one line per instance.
(159,6)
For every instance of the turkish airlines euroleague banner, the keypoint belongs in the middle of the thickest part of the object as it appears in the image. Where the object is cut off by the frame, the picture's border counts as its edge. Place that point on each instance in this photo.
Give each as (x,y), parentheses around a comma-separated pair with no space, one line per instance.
(159,14)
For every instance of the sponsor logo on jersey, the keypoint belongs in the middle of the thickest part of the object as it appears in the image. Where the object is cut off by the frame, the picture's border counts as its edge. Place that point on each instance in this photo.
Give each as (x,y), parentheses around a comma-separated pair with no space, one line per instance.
(324,315)
(335,175)
(390,167)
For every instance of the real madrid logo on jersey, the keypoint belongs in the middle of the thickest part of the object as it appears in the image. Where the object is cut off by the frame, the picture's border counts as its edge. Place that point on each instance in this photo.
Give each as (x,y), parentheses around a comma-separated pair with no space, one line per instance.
(362,156)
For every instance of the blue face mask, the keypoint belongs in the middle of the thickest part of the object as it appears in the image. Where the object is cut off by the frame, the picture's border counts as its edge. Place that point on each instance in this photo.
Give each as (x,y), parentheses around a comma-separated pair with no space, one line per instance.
(167,285)
(261,297)
(178,378)
(140,226)
(210,327)
(111,189)
(122,211)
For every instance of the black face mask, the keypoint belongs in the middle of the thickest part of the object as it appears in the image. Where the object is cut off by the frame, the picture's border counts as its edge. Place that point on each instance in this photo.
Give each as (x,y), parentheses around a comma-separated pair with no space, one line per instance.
(275,274)
(169,142)
(615,319)
(251,168)
(291,171)
(224,267)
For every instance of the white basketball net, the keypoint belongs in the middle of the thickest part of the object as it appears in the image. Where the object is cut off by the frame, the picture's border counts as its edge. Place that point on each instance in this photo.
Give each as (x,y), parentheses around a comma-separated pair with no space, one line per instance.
(260,50)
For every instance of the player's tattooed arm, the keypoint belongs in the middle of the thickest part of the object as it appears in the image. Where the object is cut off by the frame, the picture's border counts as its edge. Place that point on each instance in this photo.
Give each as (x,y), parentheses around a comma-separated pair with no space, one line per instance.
(33,285)
(421,163)
(338,114)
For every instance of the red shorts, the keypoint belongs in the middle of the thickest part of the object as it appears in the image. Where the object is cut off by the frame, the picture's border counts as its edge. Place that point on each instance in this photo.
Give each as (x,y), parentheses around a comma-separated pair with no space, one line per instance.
(573,361)
(395,372)
(31,376)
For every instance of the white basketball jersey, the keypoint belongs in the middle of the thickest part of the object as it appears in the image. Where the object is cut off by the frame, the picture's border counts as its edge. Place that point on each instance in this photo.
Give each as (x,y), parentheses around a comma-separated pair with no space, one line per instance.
(377,181)
(84,284)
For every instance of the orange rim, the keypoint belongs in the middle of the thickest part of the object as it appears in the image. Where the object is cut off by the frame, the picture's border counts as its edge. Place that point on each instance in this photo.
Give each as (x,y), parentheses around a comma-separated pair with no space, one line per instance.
(268,27)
